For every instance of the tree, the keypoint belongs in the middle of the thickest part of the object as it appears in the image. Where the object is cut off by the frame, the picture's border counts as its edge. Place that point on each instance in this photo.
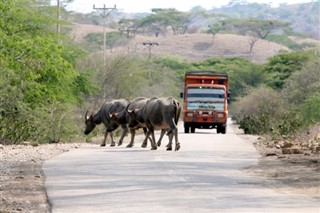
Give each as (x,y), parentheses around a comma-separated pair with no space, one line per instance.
(256,28)
(283,65)
(215,28)
(176,20)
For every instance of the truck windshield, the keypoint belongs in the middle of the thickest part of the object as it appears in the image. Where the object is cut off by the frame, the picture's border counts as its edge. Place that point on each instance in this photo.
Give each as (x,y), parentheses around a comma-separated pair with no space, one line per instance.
(205,98)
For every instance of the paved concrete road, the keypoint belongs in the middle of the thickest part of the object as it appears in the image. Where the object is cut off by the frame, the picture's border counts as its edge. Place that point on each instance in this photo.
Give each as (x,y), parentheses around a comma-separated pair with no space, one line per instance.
(204,176)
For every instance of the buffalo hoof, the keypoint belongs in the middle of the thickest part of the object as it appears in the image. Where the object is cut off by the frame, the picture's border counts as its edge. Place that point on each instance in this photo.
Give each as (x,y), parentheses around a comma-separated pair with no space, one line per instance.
(144,145)
(129,146)
(103,144)
(159,144)
(154,148)
(120,143)
(169,148)
(112,144)
(177,147)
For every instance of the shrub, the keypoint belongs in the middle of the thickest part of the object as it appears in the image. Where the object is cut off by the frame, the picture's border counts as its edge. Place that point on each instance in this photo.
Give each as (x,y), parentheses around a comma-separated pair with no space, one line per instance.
(263,111)
(310,109)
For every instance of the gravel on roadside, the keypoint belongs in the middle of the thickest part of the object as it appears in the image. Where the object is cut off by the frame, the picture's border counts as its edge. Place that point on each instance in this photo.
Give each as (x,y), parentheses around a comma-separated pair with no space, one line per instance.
(22,180)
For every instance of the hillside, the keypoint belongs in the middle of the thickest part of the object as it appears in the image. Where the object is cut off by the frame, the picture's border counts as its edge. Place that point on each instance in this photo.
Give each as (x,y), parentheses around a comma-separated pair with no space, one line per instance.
(199,47)
(304,17)
(192,47)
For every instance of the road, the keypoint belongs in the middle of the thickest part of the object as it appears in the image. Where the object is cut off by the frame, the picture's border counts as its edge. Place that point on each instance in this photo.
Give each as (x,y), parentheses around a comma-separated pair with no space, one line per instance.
(206,175)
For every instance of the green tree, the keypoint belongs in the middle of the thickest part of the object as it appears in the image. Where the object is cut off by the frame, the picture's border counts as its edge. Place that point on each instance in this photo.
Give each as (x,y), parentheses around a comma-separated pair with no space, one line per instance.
(176,20)
(283,65)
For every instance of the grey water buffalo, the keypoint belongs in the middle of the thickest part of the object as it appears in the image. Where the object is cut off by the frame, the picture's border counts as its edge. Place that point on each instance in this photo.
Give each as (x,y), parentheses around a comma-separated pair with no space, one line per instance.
(134,123)
(103,116)
(160,114)
(137,121)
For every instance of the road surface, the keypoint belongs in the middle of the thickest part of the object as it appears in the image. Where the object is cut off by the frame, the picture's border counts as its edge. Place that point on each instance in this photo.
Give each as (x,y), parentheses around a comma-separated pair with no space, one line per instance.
(206,175)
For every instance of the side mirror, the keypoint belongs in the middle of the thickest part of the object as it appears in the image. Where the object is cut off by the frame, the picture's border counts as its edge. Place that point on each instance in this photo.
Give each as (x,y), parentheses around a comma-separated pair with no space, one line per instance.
(181,94)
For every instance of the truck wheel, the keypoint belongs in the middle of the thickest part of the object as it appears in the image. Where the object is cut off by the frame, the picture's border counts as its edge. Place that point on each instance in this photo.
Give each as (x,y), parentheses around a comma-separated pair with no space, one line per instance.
(186,128)
(218,129)
(223,129)
(193,129)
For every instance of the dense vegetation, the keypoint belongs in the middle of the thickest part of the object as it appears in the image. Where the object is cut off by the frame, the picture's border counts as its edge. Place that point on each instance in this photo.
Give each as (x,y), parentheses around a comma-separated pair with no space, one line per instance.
(38,81)
(287,105)
(47,82)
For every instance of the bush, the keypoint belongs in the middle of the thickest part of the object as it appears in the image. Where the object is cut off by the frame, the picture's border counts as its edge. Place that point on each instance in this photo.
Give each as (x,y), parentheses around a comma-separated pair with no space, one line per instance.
(286,41)
(303,83)
(257,111)
(310,109)
(263,111)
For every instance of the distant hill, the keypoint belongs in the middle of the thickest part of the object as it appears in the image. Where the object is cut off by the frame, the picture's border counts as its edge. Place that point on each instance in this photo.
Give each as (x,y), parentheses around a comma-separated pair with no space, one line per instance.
(304,18)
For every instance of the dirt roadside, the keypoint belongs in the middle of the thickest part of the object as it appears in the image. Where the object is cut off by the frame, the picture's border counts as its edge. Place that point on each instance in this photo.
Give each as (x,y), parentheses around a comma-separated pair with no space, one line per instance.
(22,180)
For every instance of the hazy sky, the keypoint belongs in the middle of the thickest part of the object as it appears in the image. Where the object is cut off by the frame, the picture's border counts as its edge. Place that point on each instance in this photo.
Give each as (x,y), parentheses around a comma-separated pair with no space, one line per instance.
(85,6)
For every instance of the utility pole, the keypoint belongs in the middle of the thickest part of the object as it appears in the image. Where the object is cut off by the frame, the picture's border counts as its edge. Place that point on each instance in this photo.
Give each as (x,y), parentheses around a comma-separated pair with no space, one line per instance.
(150,45)
(58,16)
(104,12)
(128,31)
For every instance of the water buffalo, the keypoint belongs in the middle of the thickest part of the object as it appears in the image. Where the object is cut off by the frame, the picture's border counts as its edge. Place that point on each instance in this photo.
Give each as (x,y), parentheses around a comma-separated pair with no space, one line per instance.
(103,116)
(136,121)
(160,114)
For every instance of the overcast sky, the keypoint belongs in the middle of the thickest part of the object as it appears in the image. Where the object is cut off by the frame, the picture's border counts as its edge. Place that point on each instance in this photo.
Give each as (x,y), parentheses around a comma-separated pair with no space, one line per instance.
(85,6)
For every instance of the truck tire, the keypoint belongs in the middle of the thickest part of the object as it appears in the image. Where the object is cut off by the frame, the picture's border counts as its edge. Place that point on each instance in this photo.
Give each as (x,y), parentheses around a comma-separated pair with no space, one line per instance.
(193,129)
(186,128)
(223,129)
(218,129)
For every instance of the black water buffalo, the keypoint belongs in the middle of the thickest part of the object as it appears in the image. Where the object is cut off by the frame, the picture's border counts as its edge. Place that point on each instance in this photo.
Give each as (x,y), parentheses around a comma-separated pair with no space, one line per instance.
(135,122)
(160,114)
(103,116)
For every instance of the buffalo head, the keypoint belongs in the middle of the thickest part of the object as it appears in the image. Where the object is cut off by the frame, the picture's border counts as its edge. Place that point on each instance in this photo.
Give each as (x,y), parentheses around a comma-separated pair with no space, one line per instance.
(90,125)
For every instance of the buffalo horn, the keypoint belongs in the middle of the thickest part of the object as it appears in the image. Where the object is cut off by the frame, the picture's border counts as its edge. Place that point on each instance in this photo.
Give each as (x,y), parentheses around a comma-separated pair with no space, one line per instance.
(86,115)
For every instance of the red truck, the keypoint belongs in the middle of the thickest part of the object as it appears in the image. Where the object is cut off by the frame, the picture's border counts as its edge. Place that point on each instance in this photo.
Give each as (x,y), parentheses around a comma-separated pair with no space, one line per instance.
(205,101)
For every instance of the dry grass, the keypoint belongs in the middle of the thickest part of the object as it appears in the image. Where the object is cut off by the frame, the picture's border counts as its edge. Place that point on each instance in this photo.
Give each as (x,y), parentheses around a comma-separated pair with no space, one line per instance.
(192,47)
(81,30)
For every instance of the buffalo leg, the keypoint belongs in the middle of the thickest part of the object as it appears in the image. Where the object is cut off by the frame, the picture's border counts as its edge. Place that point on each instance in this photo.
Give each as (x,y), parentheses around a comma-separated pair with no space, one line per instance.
(113,143)
(145,142)
(163,131)
(124,132)
(169,146)
(105,139)
(153,143)
(133,133)
(175,132)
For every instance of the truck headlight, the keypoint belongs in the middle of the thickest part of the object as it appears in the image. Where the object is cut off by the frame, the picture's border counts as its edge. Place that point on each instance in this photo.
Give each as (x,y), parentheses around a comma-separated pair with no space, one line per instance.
(220,115)
(189,114)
